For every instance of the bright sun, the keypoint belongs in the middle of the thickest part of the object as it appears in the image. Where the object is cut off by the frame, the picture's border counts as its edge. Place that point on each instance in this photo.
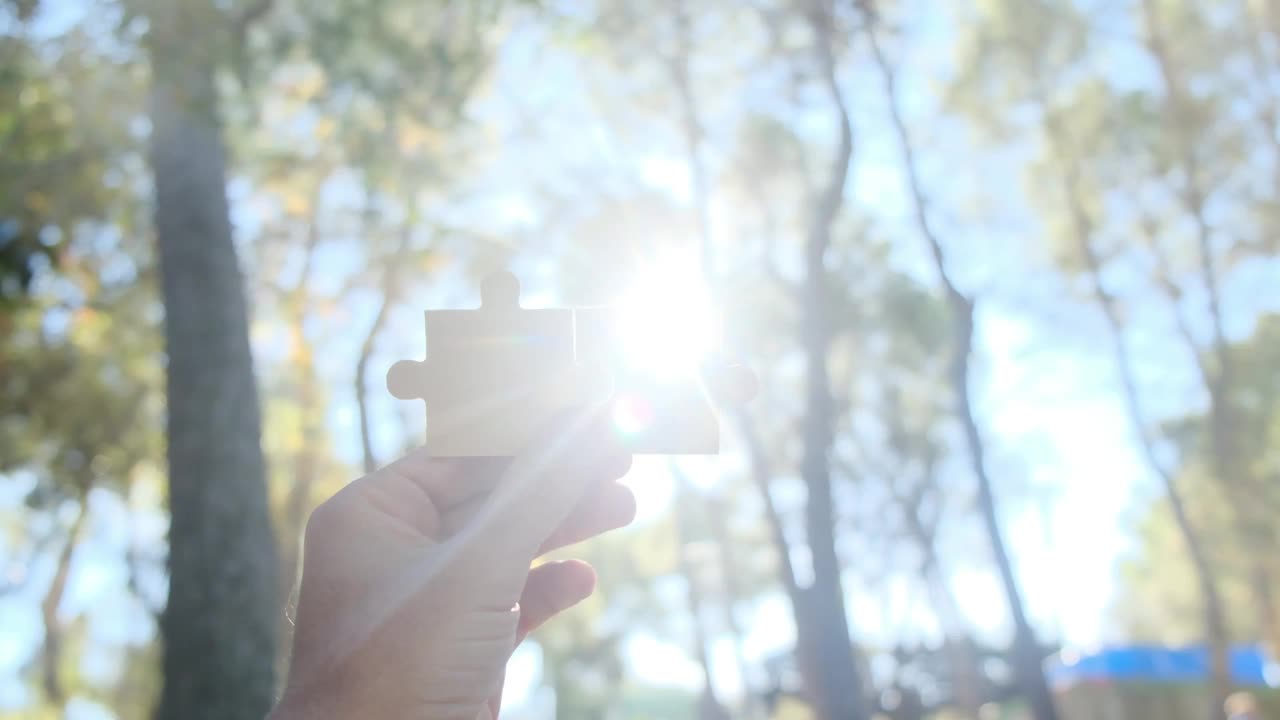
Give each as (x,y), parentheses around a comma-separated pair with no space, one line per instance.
(669,322)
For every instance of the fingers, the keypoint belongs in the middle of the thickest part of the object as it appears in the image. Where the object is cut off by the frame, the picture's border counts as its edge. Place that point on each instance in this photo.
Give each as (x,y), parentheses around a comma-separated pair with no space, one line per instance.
(605,507)
(418,492)
(497,514)
(551,589)
(446,481)
(540,489)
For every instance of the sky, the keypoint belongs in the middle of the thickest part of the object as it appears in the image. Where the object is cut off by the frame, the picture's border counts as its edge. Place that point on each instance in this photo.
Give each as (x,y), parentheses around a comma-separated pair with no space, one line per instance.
(1047,399)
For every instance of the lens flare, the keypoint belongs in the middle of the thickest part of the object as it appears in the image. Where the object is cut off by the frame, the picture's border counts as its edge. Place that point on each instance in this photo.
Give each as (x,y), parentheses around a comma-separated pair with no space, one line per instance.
(632,414)
(669,321)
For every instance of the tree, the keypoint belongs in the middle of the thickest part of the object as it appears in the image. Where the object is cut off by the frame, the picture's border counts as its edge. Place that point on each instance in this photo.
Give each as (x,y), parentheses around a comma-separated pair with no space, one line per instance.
(1122,185)
(80,393)
(1219,378)
(52,170)
(1155,579)
(1027,651)
(838,691)
(908,464)
(221,616)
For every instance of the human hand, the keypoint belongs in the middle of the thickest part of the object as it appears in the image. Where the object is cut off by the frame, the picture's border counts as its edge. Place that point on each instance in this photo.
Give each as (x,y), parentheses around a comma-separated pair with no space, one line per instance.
(417,584)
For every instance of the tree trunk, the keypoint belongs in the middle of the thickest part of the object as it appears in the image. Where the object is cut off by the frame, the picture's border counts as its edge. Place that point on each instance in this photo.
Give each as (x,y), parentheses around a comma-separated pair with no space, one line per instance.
(391,288)
(1027,659)
(220,624)
(761,474)
(1229,468)
(361,384)
(837,681)
(1216,636)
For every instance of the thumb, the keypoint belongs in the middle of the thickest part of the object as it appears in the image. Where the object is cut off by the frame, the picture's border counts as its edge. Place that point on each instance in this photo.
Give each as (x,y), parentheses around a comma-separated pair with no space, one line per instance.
(539,490)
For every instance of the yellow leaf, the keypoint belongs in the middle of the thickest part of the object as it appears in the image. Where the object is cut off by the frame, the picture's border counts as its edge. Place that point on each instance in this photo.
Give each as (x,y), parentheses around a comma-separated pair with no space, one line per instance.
(296,203)
(324,128)
(415,137)
(309,83)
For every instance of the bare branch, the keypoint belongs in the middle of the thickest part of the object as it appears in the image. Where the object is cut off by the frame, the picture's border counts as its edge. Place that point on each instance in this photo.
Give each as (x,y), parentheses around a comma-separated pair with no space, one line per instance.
(390,295)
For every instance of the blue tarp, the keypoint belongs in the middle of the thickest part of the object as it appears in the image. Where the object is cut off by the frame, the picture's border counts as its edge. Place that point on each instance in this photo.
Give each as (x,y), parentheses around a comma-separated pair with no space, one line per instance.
(1249,665)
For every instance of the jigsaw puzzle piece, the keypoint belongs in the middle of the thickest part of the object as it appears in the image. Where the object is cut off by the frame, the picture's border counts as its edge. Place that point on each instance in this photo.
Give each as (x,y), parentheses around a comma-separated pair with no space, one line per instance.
(653,414)
(495,377)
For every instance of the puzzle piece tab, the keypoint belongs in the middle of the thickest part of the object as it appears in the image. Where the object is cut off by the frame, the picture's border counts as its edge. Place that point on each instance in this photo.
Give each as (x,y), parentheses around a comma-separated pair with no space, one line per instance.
(495,376)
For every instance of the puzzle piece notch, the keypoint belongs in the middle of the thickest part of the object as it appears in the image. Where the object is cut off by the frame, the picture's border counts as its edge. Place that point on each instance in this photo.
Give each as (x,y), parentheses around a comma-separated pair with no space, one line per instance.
(496,376)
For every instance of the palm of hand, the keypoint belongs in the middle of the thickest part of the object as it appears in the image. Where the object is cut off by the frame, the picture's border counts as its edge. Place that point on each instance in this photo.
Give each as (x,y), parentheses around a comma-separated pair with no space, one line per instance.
(417,583)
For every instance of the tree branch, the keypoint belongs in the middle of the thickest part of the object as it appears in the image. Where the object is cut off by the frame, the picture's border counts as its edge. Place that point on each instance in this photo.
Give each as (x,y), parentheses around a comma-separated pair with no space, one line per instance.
(1030,679)
(761,474)
(390,295)
(51,657)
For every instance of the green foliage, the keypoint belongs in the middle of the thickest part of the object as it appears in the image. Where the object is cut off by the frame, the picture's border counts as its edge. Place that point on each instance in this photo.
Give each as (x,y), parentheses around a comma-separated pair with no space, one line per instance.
(80,360)
(1158,582)
(80,353)
(55,172)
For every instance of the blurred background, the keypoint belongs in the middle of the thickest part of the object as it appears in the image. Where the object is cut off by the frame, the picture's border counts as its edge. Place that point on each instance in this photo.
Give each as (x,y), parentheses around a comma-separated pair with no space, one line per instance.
(1008,272)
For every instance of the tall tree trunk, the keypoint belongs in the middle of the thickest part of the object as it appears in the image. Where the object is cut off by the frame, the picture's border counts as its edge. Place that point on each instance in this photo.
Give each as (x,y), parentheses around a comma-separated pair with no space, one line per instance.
(1253,523)
(220,624)
(1027,658)
(1027,651)
(822,616)
(1216,635)
(1206,578)
(1216,631)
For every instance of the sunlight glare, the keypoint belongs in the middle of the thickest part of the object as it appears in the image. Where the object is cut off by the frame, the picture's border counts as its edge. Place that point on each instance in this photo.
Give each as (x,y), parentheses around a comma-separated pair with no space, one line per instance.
(669,322)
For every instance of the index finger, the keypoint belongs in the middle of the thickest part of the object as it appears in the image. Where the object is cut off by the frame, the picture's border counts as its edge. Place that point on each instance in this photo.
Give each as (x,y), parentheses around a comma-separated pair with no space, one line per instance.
(447,482)
(543,485)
